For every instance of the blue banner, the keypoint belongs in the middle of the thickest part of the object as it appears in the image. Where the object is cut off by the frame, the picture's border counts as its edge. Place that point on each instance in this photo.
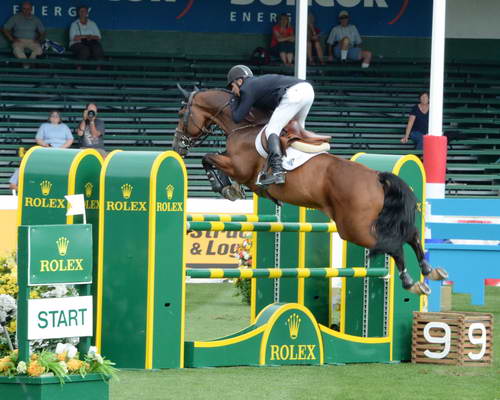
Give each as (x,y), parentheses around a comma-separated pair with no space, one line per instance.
(372,17)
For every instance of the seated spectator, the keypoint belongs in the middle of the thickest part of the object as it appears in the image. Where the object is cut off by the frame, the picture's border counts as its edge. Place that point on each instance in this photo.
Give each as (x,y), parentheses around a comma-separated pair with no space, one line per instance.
(91,130)
(344,39)
(85,37)
(14,180)
(282,41)
(313,41)
(54,133)
(418,122)
(25,31)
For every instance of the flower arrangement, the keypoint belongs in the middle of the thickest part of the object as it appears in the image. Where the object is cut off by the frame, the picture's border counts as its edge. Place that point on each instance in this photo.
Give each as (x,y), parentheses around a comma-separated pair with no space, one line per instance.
(62,363)
(8,306)
(48,357)
(244,256)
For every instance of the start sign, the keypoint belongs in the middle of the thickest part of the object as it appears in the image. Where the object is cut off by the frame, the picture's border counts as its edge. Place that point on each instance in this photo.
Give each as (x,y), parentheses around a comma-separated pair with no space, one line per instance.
(60,317)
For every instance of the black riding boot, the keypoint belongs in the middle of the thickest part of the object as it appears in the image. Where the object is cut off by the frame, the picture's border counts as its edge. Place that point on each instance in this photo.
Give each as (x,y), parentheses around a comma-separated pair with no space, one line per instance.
(275,157)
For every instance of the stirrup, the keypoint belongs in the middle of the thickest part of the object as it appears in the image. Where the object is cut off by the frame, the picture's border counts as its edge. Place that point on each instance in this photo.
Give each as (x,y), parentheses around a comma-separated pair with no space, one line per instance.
(277,178)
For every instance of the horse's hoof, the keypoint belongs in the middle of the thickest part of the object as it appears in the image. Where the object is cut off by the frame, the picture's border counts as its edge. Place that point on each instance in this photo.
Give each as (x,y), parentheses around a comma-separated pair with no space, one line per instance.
(420,288)
(233,192)
(438,274)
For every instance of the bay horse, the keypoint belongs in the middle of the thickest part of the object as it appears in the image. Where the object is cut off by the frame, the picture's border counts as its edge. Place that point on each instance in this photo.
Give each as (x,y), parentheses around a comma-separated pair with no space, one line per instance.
(372,209)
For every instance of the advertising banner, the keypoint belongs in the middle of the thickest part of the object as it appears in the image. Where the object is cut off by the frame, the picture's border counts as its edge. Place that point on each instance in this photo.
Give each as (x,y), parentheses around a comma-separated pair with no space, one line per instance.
(411,18)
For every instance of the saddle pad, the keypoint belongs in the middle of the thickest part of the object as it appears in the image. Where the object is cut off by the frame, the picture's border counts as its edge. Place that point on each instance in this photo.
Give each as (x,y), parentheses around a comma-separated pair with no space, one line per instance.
(294,158)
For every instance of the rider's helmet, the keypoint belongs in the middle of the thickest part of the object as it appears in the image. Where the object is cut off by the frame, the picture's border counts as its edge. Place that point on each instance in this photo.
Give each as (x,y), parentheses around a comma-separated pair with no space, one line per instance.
(238,71)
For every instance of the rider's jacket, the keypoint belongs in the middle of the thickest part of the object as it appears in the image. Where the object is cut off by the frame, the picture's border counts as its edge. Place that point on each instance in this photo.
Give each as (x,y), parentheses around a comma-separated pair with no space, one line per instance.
(264,92)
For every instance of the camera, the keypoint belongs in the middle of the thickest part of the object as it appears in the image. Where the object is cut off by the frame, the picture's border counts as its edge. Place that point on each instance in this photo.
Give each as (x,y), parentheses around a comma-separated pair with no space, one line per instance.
(91,114)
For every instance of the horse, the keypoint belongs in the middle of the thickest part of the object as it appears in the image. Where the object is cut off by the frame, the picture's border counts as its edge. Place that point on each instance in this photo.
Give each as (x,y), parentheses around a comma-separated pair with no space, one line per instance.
(372,209)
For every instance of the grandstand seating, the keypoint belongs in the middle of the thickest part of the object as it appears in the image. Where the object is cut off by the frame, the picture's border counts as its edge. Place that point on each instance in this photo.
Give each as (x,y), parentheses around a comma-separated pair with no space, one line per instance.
(362,110)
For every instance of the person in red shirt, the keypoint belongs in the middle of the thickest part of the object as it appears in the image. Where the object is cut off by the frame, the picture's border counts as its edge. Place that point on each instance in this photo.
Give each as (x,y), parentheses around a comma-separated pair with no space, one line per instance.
(283,39)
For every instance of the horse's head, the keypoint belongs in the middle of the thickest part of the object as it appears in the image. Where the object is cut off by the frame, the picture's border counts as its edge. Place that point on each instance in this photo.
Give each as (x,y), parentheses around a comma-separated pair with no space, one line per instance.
(200,111)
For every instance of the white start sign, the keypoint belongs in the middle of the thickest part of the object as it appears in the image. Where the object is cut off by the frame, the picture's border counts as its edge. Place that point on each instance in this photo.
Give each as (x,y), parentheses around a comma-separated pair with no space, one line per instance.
(60,317)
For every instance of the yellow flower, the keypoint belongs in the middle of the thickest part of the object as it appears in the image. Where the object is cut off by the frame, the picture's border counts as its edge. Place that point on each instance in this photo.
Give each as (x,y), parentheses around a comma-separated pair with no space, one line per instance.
(62,356)
(12,326)
(35,369)
(4,363)
(34,357)
(34,294)
(74,364)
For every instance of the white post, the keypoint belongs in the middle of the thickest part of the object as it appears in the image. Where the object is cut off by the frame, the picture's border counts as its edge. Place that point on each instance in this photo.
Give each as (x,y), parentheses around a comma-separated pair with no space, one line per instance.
(435,146)
(301,39)
(437,68)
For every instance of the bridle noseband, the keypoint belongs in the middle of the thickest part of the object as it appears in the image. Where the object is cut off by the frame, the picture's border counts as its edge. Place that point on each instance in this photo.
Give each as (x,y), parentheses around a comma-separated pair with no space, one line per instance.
(185,141)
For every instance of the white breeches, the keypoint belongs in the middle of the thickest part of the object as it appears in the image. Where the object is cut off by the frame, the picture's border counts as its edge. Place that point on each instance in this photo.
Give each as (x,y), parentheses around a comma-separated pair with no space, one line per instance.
(295,104)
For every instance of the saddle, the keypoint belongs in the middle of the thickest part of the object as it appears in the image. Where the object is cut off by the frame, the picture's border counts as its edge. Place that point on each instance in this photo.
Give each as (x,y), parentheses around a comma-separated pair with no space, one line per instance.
(293,135)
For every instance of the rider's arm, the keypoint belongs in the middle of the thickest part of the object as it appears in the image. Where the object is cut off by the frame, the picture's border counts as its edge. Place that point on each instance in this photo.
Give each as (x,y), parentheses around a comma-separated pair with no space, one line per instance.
(241,106)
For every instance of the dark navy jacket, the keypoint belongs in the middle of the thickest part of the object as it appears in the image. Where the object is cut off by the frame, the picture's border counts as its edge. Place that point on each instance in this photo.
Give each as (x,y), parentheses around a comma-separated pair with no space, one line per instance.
(264,92)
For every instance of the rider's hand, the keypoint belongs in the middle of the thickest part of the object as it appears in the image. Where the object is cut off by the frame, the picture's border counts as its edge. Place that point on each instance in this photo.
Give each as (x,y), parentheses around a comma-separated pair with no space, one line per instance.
(235,89)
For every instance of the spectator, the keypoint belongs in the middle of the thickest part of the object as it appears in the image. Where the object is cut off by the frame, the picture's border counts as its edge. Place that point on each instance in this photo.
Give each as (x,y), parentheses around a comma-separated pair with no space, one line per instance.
(14,179)
(282,42)
(85,37)
(91,130)
(344,39)
(54,133)
(418,122)
(25,31)
(313,40)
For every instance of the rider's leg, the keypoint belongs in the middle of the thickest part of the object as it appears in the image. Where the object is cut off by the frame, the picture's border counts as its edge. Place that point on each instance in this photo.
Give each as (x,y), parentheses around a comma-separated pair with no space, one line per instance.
(275,158)
(307,101)
(296,101)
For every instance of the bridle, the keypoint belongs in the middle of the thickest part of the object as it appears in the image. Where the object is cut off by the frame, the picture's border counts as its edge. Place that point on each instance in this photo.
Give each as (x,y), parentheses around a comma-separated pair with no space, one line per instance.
(185,142)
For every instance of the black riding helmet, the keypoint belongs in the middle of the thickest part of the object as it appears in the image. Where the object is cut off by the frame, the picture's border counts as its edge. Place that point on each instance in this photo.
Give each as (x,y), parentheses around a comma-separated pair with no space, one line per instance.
(238,71)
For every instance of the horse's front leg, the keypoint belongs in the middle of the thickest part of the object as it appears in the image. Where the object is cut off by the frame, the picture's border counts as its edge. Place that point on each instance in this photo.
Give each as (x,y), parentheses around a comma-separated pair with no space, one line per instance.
(218,168)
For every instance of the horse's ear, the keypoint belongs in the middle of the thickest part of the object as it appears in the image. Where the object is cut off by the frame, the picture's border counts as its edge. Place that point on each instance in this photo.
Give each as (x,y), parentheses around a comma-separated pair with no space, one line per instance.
(196,88)
(183,91)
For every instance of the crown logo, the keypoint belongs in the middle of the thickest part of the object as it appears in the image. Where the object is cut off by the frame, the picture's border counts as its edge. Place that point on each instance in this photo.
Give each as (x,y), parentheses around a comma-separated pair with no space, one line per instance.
(127,191)
(170,191)
(89,188)
(62,245)
(293,323)
(45,186)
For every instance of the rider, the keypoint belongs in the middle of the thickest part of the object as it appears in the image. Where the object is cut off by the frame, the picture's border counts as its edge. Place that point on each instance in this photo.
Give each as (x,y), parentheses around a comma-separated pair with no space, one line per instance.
(288,97)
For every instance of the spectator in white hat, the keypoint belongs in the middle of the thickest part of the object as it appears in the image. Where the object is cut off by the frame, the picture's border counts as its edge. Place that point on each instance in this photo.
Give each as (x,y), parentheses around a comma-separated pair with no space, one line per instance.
(344,41)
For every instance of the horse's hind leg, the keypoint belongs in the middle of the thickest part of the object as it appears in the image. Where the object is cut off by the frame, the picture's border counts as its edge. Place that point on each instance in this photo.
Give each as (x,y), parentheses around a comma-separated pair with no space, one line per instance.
(219,180)
(406,279)
(434,274)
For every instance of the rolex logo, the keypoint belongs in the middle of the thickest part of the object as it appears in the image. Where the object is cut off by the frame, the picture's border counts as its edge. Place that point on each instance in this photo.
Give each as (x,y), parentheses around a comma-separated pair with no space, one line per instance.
(170,192)
(293,323)
(62,245)
(127,191)
(89,188)
(45,186)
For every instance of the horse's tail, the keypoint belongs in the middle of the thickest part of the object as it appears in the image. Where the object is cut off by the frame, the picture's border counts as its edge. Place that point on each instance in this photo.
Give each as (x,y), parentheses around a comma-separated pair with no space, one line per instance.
(396,222)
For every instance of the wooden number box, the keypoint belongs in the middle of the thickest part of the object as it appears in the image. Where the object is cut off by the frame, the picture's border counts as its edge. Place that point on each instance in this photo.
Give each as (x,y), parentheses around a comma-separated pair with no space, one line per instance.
(454,338)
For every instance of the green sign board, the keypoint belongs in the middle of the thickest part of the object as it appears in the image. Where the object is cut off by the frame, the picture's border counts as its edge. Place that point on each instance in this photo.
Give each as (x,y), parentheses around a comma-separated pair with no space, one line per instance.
(58,253)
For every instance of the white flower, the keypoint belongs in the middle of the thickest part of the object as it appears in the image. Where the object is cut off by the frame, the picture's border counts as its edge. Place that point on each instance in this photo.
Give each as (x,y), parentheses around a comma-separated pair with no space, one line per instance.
(21,367)
(72,350)
(92,351)
(7,306)
(60,348)
(98,358)
(63,366)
